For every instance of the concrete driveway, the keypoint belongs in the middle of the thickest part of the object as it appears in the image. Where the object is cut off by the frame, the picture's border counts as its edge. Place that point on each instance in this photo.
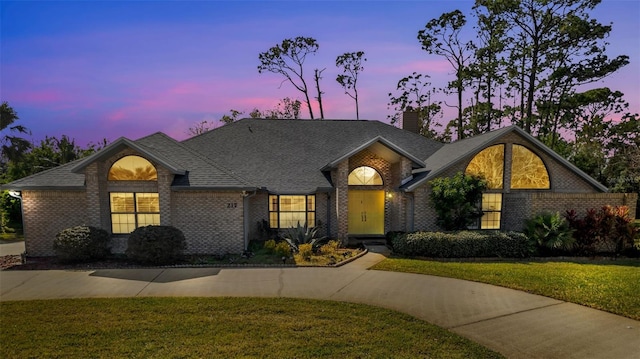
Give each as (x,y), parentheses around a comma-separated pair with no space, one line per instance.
(514,323)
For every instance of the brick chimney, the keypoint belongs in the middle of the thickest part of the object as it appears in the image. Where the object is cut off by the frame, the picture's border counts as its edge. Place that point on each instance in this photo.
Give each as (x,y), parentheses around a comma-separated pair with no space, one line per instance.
(410,122)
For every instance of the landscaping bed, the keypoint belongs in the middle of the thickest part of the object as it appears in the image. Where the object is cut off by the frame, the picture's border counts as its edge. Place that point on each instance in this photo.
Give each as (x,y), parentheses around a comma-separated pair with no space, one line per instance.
(257,259)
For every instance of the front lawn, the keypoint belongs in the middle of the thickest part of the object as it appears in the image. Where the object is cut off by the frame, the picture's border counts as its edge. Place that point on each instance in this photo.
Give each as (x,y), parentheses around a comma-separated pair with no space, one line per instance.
(220,328)
(613,286)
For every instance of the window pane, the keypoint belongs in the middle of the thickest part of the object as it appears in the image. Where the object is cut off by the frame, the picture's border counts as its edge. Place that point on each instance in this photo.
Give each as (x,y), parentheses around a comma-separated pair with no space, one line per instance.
(273,220)
(489,164)
(123,223)
(364,176)
(273,203)
(147,202)
(311,203)
(527,170)
(122,202)
(311,218)
(490,220)
(292,203)
(492,207)
(148,219)
(292,219)
(132,168)
(491,201)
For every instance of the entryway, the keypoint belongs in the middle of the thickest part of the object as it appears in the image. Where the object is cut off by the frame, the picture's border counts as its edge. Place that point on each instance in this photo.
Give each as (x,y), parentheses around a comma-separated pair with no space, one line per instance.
(366,212)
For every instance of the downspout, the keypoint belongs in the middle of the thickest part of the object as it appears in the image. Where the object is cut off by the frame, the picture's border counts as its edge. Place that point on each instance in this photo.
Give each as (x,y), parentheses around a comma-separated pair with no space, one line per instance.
(328,234)
(18,195)
(410,211)
(245,216)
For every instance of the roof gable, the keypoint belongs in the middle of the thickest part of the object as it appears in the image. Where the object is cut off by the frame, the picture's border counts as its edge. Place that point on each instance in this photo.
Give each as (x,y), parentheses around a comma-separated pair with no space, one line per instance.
(122,143)
(451,154)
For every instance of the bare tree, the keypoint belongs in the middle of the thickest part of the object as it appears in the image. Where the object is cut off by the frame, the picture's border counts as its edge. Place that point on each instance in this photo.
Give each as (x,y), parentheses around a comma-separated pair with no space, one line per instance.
(287,59)
(351,63)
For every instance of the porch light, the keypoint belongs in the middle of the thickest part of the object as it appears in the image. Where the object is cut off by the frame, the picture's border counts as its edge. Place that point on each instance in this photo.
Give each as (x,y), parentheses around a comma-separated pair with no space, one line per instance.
(389,195)
(15,194)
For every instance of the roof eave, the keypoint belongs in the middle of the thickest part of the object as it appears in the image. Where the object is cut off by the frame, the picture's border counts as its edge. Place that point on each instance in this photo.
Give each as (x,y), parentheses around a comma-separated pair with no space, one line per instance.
(333,164)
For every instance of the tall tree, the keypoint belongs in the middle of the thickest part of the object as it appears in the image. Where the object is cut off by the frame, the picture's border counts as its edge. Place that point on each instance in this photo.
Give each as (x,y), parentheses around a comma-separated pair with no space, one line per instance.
(12,146)
(554,47)
(442,37)
(351,64)
(287,59)
(415,93)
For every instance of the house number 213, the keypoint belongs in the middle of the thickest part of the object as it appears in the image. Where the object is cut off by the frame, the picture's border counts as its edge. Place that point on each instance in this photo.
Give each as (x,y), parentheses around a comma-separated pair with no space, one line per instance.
(232,205)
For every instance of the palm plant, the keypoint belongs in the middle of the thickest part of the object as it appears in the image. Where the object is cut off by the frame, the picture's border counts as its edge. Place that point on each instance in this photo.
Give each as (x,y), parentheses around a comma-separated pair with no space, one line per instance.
(550,231)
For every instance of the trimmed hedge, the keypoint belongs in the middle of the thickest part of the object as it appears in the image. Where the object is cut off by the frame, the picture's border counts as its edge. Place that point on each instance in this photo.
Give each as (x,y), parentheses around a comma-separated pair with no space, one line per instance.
(463,244)
(156,245)
(81,244)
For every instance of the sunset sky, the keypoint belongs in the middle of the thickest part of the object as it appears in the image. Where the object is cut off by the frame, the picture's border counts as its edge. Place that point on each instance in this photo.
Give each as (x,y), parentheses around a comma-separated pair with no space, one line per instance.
(105,69)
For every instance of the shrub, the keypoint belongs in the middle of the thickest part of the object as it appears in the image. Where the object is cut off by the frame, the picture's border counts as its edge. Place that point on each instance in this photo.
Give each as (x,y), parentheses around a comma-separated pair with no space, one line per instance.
(330,248)
(550,233)
(609,229)
(463,244)
(282,249)
(456,199)
(305,250)
(298,235)
(156,245)
(81,243)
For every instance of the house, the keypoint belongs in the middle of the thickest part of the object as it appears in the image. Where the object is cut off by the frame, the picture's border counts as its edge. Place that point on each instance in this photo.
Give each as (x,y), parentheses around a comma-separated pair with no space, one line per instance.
(351,178)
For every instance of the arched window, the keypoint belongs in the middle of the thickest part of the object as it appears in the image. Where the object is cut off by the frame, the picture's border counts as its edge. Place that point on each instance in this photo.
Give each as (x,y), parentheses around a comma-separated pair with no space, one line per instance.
(364,176)
(527,170)
(132,168)
(489,164)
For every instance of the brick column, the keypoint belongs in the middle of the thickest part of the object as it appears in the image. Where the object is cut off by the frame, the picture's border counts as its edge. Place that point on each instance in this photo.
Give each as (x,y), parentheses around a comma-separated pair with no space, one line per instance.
(342,199)
(92,183)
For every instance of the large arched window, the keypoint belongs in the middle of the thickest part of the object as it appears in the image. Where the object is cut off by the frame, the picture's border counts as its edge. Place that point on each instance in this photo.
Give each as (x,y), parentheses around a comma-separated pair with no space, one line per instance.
(527,170)
(364,176)
(489,164)
(132,168)
(130,210)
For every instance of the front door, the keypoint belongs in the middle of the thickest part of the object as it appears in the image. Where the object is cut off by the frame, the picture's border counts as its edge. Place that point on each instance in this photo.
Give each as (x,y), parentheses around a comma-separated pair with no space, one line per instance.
(366,212)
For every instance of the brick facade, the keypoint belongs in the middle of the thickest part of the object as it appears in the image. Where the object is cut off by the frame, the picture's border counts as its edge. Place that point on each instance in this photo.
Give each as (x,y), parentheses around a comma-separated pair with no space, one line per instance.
(220,222)
(48,212)
(568,191)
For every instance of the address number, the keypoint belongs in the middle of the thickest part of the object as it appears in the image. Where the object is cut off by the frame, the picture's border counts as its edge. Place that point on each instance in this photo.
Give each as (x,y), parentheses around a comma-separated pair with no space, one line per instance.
(232,205)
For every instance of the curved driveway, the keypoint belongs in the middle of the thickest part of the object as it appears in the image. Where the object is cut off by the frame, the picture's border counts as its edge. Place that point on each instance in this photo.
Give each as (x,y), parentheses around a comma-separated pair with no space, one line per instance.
(514,323)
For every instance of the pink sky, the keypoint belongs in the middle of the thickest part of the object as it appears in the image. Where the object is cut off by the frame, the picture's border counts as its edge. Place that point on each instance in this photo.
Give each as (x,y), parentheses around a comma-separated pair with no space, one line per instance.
(111,69)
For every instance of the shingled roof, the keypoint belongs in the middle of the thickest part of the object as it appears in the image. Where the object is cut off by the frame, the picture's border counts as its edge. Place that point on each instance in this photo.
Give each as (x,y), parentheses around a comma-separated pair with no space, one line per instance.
(291,156)
(283,156)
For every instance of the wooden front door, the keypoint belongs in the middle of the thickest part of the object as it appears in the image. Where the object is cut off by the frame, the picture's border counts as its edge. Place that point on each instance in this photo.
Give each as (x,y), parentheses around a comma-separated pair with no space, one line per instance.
(366,212)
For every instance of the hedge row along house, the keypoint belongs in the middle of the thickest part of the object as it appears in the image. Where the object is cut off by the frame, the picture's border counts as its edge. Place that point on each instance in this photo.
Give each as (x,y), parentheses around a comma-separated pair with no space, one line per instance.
(354,179)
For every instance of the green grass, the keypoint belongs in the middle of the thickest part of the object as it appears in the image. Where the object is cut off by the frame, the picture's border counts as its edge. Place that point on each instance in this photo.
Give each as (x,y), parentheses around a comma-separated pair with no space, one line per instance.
(221,328)
(613,286)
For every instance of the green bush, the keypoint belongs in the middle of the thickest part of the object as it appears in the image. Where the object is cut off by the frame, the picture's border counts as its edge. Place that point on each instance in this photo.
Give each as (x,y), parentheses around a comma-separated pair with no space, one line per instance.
(550,233)
(81,244)
(455,200)
(463,244)
(156,245)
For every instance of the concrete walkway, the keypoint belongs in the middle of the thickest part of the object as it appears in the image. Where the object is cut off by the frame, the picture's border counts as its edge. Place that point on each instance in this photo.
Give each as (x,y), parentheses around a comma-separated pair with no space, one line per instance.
(514,323)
